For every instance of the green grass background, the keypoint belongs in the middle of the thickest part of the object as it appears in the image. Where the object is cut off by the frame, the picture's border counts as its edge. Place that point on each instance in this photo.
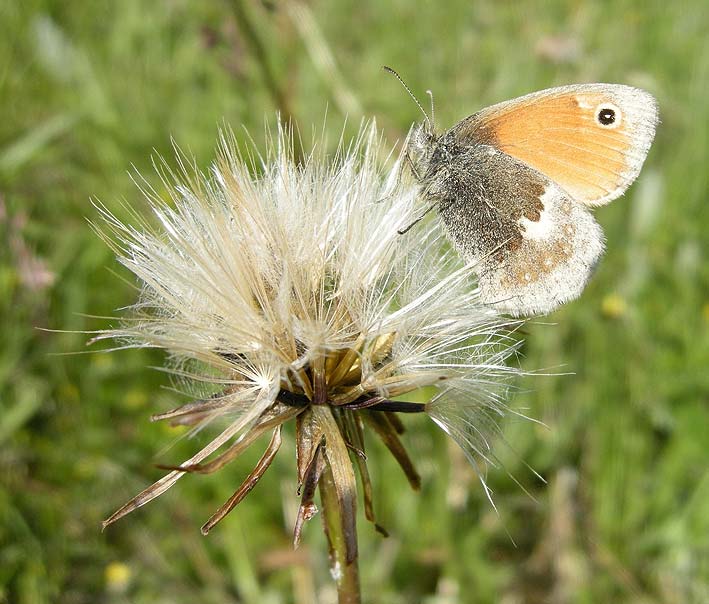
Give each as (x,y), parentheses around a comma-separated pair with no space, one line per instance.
(89,88)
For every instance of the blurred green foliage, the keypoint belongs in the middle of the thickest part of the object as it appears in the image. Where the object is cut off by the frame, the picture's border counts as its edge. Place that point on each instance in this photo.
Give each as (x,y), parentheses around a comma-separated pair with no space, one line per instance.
(88,90)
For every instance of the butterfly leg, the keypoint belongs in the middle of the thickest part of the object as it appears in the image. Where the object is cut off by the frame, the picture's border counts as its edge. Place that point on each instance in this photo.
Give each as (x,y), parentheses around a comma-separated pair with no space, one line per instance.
(398,177)
(440,205)
(414,171)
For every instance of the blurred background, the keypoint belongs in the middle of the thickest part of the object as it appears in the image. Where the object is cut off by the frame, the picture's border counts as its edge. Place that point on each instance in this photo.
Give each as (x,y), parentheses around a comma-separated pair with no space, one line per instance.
(89,89)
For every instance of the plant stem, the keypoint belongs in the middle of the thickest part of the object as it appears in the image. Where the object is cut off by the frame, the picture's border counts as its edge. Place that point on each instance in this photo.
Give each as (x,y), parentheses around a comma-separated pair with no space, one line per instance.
(344,571)
(275,89)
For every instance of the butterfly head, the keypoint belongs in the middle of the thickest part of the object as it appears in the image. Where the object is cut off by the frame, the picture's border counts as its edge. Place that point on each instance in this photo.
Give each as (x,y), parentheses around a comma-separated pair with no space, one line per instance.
(420,147)
(422,139)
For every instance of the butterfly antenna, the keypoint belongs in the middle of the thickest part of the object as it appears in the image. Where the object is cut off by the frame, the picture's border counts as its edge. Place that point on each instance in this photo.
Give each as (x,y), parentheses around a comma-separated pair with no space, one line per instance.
(433,114)
(411,94)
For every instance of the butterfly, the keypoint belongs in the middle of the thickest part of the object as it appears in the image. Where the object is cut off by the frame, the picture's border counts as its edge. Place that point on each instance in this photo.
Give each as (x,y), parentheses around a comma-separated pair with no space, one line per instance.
(513,184)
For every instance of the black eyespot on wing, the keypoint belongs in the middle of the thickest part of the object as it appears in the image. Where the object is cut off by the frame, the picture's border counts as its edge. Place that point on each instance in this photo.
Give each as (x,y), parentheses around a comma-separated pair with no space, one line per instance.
(606,116)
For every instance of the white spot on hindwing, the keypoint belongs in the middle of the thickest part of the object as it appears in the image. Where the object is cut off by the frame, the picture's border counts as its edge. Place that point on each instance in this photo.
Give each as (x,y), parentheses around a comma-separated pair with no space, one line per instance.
(553,262)
(543,228)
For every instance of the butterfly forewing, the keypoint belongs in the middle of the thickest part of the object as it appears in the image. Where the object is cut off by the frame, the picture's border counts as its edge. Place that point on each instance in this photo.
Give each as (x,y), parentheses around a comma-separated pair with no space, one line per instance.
(591,139)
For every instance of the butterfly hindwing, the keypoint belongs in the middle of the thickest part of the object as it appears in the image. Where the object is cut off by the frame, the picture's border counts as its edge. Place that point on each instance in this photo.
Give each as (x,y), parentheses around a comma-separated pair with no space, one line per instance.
(534,247)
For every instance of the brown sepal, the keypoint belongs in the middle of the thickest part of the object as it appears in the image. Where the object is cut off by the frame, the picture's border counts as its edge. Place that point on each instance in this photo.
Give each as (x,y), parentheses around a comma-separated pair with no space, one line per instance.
(307,508)
(275,416)
(355,441)
(308,436)
(388,433)
(248,484)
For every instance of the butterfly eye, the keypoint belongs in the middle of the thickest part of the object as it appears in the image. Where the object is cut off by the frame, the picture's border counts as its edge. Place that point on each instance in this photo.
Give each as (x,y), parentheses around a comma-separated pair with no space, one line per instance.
(608,116)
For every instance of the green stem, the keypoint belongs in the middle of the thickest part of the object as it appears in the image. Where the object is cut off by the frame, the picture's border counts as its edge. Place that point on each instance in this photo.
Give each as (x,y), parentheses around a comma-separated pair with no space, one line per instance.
(344,571)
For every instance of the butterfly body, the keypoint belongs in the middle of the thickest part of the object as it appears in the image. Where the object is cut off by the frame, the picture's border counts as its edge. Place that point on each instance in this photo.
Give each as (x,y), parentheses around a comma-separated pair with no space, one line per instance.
(513,184)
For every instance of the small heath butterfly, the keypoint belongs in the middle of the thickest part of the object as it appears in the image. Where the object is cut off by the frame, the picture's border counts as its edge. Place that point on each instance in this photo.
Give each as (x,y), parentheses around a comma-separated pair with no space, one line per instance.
(513,184)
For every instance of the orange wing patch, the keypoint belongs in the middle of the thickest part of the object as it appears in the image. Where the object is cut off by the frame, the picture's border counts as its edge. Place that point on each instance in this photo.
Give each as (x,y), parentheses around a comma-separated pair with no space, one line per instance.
(558,132)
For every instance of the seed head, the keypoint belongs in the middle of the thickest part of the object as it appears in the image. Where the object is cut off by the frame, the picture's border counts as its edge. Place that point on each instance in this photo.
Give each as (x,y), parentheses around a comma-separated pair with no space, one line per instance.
(284,291)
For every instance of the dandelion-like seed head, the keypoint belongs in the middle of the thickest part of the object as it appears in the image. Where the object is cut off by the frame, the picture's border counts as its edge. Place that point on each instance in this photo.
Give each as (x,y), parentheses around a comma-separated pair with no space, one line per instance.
(285,291)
